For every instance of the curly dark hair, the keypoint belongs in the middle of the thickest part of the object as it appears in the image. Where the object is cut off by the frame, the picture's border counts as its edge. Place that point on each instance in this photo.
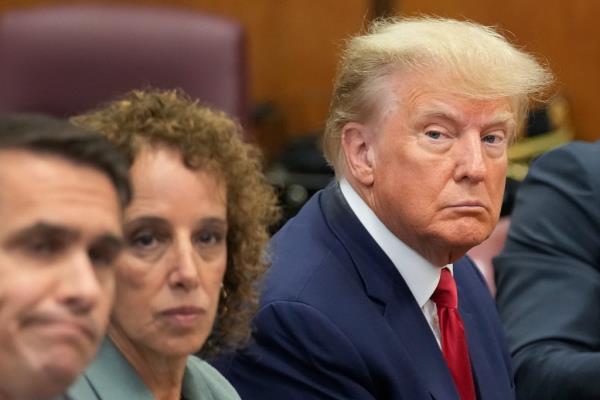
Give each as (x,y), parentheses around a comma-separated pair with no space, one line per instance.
(212,141)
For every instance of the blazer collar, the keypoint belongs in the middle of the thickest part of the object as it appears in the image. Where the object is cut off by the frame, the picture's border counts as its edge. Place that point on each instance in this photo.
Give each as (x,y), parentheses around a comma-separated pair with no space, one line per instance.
(113,377)
(479,339)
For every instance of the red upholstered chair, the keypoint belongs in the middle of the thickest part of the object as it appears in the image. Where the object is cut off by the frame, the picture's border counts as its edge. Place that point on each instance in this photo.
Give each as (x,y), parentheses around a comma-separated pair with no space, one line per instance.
(483,254)
(65,59)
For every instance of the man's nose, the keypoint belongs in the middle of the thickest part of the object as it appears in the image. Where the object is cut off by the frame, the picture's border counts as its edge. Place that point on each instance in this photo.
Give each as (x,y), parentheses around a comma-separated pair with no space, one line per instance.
(80,288)
(470,158)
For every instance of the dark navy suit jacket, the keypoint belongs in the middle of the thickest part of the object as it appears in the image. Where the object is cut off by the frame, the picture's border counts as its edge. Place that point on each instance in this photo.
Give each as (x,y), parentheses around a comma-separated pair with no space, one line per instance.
(337,321)
(548,277)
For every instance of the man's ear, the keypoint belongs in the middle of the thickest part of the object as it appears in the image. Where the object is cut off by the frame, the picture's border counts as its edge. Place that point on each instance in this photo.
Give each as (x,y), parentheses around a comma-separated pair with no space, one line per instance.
(357,144)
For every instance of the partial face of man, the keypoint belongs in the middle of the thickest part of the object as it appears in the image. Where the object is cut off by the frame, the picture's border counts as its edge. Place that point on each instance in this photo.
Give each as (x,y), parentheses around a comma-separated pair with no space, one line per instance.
(59,236)
(439,167)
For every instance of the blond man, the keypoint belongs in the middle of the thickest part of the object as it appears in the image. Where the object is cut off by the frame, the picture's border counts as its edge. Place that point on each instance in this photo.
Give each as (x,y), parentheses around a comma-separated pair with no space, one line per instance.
(370,295)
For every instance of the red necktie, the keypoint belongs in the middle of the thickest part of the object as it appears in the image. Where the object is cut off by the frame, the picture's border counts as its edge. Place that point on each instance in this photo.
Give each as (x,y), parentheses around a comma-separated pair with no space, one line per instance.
(454,343)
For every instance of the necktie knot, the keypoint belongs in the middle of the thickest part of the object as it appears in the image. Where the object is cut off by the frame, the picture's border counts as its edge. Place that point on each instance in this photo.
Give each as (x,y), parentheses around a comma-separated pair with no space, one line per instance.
(445,293)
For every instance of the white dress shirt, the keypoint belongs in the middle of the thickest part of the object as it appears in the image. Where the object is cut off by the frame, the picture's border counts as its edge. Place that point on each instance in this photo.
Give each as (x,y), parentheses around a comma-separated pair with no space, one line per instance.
(420,275)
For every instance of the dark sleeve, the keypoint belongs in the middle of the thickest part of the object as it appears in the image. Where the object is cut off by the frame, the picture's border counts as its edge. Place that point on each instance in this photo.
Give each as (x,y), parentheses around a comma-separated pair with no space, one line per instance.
(298,354)
(548,277)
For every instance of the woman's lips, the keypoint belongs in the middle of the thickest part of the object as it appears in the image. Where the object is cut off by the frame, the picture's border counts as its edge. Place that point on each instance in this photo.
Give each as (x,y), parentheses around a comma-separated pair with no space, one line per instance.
(183,316)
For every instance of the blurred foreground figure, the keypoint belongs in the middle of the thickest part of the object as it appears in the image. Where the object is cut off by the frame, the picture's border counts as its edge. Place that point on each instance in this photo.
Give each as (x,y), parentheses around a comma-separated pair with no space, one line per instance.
(548,277)
(61,196)
(370,295)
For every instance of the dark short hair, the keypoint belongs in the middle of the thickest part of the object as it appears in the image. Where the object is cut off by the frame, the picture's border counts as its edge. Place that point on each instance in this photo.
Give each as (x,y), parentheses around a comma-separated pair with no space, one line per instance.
(39,133)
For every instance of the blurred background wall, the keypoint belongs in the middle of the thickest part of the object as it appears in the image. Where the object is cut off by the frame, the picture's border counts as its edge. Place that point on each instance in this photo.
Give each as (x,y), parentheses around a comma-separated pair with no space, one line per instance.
(293,46)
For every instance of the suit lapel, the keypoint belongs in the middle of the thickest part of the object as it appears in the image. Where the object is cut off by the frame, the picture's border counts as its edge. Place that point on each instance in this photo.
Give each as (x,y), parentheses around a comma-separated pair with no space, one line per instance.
(407,320)
(385,286)
(477,342)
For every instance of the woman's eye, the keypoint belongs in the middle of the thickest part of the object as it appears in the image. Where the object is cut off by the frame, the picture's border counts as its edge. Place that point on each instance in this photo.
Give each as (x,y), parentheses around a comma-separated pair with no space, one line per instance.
(208,238)
(143,240)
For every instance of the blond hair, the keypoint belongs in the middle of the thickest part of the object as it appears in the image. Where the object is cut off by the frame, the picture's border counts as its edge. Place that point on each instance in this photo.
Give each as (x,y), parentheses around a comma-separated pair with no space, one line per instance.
(475,62)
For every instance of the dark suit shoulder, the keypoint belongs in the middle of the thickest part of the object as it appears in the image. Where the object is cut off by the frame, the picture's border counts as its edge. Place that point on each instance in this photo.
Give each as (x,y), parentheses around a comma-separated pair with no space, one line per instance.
(548,276)
(582,155)
(556,210)
(303,252)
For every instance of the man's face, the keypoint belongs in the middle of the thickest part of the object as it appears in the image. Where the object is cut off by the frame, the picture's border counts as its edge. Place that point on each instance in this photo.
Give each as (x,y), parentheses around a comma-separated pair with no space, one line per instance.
(439,167)
(59,235)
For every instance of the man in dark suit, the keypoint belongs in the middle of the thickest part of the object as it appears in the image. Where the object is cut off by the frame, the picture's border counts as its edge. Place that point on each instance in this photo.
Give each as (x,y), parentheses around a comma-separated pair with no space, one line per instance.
(61,195)
(548,277)
(369,296)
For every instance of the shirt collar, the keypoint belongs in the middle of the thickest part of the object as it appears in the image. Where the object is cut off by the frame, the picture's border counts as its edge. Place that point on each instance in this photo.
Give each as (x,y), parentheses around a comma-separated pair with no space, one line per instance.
(420,275)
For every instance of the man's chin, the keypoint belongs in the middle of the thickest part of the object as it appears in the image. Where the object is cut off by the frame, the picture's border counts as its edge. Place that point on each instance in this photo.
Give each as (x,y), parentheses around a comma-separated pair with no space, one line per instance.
(455,245)
(467,232)
(48,385)
(56,374)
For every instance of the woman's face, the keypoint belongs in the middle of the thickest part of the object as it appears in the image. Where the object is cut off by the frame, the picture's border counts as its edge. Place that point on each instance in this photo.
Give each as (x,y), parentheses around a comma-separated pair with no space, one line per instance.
(169,279)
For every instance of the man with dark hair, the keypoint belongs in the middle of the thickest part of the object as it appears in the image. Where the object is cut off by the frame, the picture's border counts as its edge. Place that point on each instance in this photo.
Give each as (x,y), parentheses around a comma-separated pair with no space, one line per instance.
(61,194)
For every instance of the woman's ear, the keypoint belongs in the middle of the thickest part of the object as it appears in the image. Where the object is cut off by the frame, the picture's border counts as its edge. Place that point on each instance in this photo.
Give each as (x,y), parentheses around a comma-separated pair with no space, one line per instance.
(357,144)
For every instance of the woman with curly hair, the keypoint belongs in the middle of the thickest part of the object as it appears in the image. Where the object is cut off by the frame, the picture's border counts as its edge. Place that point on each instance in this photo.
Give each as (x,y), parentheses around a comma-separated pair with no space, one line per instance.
(195,232)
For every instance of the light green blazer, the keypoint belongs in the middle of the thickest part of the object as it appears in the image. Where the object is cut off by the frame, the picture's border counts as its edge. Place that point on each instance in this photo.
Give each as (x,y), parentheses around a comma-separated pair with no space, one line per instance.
(111,377)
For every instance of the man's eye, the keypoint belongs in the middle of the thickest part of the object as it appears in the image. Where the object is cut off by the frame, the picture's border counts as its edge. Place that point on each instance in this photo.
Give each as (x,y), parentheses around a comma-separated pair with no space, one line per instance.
(493,139)
(43,247)
(103,257)
(434,134)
